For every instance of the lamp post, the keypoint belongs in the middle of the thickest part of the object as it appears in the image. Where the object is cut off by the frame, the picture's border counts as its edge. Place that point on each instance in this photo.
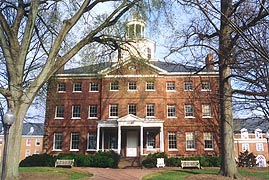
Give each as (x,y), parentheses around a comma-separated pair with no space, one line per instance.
(8,120)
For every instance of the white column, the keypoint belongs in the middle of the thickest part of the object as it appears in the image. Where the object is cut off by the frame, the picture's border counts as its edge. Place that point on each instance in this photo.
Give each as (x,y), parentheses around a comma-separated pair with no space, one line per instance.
(103,140)
(98,138)
(119,139)
(141,140)
(161,139)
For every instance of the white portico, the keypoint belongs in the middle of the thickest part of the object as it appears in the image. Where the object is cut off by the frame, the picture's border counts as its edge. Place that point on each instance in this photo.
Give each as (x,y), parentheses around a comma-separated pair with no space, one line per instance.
(130,135)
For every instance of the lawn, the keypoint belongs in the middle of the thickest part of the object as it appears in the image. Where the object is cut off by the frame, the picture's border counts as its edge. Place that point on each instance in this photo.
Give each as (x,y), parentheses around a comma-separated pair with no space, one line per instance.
(38,173)
(258,173)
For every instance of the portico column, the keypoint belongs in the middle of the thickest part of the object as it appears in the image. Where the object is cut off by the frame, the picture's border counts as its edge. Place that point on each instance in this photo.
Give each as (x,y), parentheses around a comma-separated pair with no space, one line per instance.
(161,139)
(98,138)
(119,139)
(103,140)
(141,140)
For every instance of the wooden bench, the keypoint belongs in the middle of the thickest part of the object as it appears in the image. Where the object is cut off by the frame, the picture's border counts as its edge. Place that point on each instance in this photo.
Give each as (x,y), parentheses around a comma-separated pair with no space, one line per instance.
(64,163)
(193,163)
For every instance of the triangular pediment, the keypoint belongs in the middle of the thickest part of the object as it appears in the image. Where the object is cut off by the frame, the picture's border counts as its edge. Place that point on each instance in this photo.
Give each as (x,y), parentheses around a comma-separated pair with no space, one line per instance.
(130,118)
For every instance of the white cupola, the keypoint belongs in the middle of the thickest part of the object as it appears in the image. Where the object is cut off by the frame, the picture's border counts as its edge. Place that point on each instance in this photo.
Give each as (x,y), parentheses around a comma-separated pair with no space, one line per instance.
(135,27)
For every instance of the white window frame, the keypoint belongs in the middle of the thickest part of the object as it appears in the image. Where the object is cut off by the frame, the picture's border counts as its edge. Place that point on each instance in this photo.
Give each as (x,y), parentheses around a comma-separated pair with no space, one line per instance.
(93,86)
(171,111)
(37,142)
(151,141)
(114,86)
(27,152)
(90,138)
(205,86)
(77,85)
(258,134)
(57,109)
(189,111)
(150,110)
(54,141)
(91,114)
(72,141)
(245,147)
(132,107)
(171,86)
(73,111)
(190,141)
(206,111)
(113,111)
(188,86)
(244,133)
(208,136)
(259,147)
(132,86)
(150,86)
(172,140)
(28,142)
(61,87)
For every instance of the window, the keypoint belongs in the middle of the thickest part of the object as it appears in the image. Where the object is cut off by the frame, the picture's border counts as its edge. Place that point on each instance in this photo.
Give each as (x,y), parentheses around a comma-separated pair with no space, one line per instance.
(150,140)
(74,141)
(171,111)
(150,110)
(172,140)
(206,86)
(114,86)
(37,152)
(27,152)
(189,110)
(258,134)
(188,86)
(61,87)
(59,113)
(170,86)
(28,142)
(132,109)
(206,110)
(244,133)
(148,53)
(94,87)
(190,141)
(77,87)
(245,147)
(37,142)
(150,86)
(113,141)
(259,146)
(132,86)
(57,142)
(208,141)
(76,112)
(93,111)
(91,141)
(113,110)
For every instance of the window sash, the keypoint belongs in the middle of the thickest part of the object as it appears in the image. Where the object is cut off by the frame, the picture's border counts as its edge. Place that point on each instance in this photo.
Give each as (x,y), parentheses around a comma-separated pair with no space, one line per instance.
(150,86)
(208,140)
(74,141)
(61,87)
(114,86)
(206,110)
(132,109)
(76,111)
(170,86)
(189,111)
(94,87)
(171,110)
(132,86)
(188,86)
(58,138)
(59,112)
(113,110)
(93,111)
(92,141)
(172,140)
(205,86)
(77,87)
(190,140)
(150,110)
(151,139)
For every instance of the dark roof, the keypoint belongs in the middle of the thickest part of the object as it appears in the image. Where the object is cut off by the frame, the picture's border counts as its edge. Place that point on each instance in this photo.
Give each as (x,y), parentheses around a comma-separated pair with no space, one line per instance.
(251,124)
(34,129)
(167,66)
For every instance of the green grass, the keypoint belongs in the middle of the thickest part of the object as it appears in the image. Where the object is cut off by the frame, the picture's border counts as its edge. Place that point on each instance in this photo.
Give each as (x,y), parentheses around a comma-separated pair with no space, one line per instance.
(73,175)
(180,174)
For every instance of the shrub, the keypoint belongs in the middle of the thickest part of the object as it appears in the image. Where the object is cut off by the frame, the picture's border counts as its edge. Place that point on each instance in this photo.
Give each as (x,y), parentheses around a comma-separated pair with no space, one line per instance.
(38,160)
(106,159)
(173,162)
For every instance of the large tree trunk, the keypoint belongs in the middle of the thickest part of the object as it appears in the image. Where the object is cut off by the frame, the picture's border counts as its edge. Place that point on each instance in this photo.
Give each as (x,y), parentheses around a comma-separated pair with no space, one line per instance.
(228,165)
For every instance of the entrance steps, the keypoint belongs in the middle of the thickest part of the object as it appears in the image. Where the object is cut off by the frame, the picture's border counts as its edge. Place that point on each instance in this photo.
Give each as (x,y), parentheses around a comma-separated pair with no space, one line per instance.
(129,162)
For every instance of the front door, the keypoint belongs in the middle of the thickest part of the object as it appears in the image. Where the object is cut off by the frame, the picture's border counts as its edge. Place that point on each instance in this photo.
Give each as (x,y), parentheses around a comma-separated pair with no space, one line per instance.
(132,144)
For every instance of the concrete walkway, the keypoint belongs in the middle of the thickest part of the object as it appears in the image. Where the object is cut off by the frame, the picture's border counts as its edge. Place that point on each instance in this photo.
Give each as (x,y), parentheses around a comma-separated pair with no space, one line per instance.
(119,174)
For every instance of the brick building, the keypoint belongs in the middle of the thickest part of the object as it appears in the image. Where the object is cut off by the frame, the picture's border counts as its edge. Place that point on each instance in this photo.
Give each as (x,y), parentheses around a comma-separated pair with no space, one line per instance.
(135,106)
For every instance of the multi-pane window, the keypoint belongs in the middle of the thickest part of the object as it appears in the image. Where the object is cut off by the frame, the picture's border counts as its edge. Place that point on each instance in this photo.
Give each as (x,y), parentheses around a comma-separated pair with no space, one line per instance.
(188,86)
(208,140)
(91,141)
(172,140)
(244,133)
(59,113)
(132,109)
(57,141)
(189,110)
(77,87)
(150,86)
(37,142)
(206,86)
(94,87)
(132,86)
(28,142)
(37,152)
(258,134)
(113,141)
(76,112)
(113,110)
(150,140)
(170,86)
(150,110)
(114,86)
(245,147)
(190,141)
(74,141)
(93,111)
(171,111)
(61,87)
(27,152)
(259,146)
(206,110)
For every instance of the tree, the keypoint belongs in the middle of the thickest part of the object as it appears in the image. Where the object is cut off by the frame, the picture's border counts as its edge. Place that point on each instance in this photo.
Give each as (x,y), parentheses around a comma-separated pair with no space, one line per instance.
(220,27)
(36,39)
